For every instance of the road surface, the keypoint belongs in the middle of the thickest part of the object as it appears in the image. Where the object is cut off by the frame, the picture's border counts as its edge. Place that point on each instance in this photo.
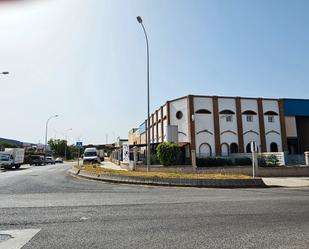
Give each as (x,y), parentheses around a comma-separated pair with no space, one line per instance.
(59,211)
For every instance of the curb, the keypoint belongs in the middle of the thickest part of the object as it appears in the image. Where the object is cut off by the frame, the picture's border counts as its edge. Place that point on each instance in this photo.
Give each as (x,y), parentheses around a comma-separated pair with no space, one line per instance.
(174,182)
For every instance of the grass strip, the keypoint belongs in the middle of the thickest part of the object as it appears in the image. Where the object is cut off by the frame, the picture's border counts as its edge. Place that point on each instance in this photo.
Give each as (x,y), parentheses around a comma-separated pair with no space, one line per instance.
(103,171)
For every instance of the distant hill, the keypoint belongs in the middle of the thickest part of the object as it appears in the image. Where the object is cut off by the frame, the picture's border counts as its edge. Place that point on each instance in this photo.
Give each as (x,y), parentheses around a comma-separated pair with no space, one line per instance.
(10,142)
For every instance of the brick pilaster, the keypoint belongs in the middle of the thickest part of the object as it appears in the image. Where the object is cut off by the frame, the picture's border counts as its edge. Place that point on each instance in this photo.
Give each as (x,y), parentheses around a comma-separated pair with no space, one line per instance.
(216,125)
(191,124)
(262,125)
(239,126)
(282,125)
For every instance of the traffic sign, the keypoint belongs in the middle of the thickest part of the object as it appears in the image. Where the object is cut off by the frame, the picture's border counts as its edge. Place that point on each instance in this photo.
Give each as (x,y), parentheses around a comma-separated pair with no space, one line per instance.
(79,144)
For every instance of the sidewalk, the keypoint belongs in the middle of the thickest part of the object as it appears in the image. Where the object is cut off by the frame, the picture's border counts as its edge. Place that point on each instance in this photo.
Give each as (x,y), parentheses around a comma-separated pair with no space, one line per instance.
(290,182)
(110,165)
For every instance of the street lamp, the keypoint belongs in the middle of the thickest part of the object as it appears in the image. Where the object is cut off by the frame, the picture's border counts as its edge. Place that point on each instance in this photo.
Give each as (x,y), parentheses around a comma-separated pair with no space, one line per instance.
(65,147)
(54,116)
(140,20)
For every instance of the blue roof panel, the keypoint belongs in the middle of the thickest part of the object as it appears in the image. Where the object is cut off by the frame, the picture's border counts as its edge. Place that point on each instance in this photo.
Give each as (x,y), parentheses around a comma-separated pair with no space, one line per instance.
(296,107)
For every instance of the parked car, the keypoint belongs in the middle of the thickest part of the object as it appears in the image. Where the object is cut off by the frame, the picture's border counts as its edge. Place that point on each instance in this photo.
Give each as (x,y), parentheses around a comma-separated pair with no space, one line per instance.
(49,160)
(59,160)
(37,160)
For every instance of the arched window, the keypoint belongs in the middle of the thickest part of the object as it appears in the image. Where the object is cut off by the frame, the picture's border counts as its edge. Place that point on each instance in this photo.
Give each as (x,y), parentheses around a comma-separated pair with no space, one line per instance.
(203,111)
(205,150)
(273,147)
(248,148)
(228,112)
(271,113)
(249,112)
(234,148)
(224,149)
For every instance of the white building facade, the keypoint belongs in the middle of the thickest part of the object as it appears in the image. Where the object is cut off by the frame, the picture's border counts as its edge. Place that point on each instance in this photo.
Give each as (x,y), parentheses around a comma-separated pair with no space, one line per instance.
(220,126)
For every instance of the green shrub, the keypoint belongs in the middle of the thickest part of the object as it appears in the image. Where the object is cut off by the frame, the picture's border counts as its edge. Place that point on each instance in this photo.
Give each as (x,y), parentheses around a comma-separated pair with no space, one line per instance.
(268,161)
(213,161)
(262,161)
(242,161)
(167,153)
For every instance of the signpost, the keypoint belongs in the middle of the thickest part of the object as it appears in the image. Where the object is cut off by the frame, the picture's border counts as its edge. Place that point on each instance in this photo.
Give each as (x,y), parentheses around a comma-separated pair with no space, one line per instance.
(254,150)
(79,145)
(125,152)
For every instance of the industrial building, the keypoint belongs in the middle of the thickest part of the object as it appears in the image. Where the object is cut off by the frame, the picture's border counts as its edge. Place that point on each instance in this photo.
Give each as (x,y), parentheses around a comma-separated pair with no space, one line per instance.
(220,126)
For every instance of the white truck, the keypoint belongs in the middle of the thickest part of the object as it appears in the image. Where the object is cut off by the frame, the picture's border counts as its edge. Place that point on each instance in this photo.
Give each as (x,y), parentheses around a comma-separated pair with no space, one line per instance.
(12,157)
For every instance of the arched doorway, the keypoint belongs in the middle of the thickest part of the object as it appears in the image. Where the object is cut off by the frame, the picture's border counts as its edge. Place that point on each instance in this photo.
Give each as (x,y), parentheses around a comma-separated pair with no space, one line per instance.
(224,149)
(248,148)
(273,147)
(234,148)
(205,150)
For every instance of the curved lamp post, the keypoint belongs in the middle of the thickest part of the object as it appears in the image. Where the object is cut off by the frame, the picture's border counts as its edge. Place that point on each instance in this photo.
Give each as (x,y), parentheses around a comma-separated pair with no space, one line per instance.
(46,130)
(140,20)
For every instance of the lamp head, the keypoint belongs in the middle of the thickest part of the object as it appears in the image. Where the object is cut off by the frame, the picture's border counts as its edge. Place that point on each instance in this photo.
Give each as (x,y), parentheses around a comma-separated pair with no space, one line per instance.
(139,19)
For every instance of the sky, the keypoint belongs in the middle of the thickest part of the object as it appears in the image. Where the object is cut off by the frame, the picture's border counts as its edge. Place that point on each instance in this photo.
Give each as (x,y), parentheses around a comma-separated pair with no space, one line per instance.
(86,60)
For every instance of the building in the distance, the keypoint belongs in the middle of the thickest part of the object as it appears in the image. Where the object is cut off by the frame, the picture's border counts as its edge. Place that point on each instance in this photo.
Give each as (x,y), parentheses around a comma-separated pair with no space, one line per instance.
(220,126)
(134,136)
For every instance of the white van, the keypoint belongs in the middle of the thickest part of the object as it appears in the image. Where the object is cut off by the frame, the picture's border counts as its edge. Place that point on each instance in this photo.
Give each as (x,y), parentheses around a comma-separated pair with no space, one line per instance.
(91,156)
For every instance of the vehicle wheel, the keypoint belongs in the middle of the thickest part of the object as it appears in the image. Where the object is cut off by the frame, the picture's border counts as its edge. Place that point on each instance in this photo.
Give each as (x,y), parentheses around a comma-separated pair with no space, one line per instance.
(17,166)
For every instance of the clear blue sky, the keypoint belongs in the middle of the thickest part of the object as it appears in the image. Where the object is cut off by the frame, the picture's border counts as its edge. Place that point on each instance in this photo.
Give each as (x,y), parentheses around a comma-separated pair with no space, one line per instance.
(85,60)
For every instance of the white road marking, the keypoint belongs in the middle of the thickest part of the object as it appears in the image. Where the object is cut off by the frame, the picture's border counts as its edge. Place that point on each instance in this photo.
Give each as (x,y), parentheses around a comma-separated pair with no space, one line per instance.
(19,238)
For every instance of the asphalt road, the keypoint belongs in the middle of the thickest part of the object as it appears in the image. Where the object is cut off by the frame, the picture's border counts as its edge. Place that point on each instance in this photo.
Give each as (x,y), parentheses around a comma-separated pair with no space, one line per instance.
(76,213)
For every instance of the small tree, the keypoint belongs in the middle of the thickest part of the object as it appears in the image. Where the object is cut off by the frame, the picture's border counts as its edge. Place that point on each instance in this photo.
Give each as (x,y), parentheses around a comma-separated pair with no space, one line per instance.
(168,153)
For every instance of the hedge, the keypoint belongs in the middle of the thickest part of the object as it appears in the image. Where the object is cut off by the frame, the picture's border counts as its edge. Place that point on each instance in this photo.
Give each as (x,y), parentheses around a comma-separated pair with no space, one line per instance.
(222,161)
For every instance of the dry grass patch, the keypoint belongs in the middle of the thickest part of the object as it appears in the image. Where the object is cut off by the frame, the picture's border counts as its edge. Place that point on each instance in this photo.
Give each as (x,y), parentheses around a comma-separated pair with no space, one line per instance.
(103,171)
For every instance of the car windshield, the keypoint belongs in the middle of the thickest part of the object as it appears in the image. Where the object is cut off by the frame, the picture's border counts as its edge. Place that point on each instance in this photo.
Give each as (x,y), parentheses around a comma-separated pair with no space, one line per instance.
(90,154)
(35,157)
(4,157)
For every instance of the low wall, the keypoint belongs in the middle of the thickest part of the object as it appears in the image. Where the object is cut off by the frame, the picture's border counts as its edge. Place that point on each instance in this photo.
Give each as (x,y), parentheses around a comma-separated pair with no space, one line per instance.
(281,171)
(244,170)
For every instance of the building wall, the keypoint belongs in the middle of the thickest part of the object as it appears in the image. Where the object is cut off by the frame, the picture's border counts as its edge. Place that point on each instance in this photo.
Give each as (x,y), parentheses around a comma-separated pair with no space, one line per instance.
(180,105)
(164,122)
(251,130)
(228,130)
(204,126)
(143,138)
(272,129)
(159,126)
(199,129)
(133,136)
(290,124)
